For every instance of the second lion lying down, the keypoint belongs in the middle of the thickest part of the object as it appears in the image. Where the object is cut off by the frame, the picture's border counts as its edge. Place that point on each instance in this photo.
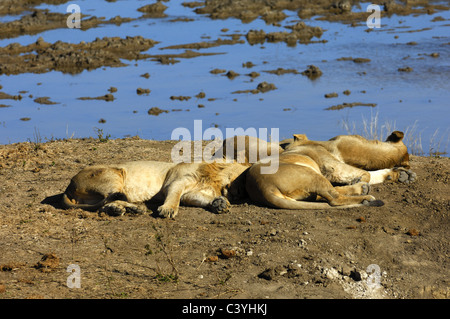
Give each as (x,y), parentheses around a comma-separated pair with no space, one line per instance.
(309,170)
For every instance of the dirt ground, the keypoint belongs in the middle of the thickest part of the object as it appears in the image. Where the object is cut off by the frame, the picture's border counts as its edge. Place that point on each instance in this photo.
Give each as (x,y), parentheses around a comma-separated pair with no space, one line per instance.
(251,252)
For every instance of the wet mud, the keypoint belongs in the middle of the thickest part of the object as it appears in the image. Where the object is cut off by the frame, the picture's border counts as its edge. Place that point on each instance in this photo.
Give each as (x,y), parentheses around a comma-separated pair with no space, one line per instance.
(331,10)
(41,56)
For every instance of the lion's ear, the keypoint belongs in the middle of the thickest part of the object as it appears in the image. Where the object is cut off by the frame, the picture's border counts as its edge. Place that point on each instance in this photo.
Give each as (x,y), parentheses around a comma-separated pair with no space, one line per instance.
(121,172)
(395,137)
(300,137)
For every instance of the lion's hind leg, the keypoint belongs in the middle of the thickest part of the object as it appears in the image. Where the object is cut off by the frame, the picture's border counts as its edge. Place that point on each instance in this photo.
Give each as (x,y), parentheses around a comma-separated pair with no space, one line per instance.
(392,174)
(340,196)
(360,188)
(317,184)
(340,173)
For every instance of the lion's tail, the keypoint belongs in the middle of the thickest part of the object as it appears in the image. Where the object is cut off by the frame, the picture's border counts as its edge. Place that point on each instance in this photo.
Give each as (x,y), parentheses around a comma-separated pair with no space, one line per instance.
(277,201)
(67,203)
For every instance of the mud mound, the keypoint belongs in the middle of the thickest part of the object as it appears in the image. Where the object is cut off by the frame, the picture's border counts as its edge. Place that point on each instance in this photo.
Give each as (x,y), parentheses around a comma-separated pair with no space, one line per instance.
(41,56)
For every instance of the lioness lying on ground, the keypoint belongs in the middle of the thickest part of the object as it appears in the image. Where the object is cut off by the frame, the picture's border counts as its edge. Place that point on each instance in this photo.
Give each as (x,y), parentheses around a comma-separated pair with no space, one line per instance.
(119,188)
(247,149)
(351,157)
(307,171)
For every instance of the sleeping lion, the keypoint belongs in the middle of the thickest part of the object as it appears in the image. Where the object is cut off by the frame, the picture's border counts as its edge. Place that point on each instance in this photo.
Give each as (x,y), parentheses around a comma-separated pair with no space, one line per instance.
(337,172)
(120,188)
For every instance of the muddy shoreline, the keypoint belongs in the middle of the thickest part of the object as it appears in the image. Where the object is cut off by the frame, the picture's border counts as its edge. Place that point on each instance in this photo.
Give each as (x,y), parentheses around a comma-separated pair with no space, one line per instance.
(73,58)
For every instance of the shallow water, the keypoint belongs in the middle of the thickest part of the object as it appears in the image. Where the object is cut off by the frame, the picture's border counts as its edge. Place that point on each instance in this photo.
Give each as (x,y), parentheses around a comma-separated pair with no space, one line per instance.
(416,101)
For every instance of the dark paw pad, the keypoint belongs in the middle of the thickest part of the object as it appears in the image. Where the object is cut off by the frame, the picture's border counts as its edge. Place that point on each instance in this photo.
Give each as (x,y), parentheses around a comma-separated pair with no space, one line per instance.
(373,203)
(365,189)
(407,176)
(113,210)
(220,205)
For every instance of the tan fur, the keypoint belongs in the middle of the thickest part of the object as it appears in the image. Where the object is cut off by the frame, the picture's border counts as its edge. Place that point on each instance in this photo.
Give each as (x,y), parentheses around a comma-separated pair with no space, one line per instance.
(310,170)
(119,188)
(209,185)
(359,152)
(248,149)
(297,183)
(95,186)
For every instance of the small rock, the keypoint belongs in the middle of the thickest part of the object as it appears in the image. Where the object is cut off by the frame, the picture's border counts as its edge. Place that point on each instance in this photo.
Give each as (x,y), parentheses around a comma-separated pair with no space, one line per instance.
(253,74)
(211,259)
(156,111)
(330,95)
(272,273)
(217,71)
(47,263)
(142,91)
(44,100)
(231,74)
(302,243)
(312,72)
(108,97)
(330,273)
(346,271)
(248,64)
(264,87)
(228,253)
(361,60)
(405,69)
(413,232)
(361,219)
(355,275)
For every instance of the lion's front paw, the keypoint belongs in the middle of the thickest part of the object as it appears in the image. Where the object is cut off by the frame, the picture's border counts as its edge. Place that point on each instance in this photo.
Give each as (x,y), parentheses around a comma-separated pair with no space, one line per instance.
(167,212)
(220,205)
(112,209)
(119,208)
(365,189)
(406,176)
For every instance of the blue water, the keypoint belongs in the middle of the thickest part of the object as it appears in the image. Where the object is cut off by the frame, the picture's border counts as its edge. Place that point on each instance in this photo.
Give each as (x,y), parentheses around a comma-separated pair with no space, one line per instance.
(405,100)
